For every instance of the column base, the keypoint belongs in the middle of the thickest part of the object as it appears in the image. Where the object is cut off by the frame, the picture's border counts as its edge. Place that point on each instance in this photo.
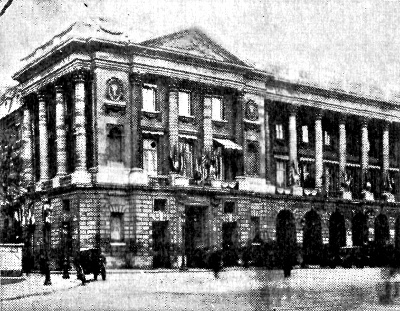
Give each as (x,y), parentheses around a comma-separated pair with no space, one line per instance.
(178,180)
(81,177)
(138,177)
(256,184)
(296,191)
(367,196)
(347,195)
(56,180)
(388,197)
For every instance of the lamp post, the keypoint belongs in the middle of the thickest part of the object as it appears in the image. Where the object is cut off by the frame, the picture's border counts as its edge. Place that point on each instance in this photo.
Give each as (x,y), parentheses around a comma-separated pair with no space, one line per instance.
(31,231)
(47,210)
(183,264)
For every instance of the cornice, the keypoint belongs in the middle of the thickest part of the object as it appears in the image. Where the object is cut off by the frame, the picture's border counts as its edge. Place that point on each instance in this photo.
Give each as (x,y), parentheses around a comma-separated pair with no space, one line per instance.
(335,105)
(51,75)
(170,72)
(110,64)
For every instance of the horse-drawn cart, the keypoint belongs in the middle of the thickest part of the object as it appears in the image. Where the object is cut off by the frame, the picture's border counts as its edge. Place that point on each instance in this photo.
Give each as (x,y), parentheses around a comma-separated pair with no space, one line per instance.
(89,261)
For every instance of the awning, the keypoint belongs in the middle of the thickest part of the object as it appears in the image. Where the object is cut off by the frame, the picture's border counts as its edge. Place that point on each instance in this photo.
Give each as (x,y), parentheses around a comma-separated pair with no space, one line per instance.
(228,144)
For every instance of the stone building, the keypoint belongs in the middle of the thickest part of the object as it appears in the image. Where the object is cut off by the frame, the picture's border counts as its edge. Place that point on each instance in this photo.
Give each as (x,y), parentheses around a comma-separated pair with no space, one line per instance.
(159,149)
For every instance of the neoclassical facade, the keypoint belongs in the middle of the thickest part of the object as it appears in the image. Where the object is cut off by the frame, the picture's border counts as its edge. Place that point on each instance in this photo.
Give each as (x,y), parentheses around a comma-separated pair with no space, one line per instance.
(156,150)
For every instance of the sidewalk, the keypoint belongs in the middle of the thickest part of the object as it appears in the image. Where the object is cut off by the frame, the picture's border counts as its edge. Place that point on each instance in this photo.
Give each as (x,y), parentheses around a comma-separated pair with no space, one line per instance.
(12,288)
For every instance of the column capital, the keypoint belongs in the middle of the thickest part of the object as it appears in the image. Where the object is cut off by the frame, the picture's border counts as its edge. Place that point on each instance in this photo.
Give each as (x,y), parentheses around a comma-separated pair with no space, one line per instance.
(78,76)
(364,121)
(41,96)
(293,110)
(343,118)
(386,125)
(319,114)
(136,78)
(59,88)
(173,85)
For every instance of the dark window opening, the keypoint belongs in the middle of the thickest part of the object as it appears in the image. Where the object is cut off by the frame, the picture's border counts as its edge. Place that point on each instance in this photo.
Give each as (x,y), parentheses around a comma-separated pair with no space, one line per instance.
(229,207)
(160,205)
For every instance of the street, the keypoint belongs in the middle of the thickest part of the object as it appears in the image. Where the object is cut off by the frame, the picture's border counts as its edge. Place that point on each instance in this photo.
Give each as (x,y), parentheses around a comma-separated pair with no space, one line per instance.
(236,289)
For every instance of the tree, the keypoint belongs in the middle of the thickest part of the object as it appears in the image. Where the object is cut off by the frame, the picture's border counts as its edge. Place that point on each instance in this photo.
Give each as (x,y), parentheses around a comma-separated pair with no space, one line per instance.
(12,181)
(5,6)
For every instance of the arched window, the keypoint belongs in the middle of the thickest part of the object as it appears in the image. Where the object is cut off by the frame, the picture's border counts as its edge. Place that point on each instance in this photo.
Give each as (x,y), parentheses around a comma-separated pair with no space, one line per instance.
(114,145)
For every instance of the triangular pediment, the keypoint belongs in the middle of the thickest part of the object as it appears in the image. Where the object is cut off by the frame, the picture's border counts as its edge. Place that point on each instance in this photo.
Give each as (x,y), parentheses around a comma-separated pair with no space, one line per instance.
(194,42)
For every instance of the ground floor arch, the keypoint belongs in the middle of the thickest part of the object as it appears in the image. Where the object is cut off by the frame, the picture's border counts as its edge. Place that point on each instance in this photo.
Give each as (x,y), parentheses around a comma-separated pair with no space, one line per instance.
(359,229)
(286,237)
(312,238)
(337,232)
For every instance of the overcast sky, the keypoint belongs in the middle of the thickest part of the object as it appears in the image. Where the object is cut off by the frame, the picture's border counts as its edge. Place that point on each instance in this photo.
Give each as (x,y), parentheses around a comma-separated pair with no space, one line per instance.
(358,40)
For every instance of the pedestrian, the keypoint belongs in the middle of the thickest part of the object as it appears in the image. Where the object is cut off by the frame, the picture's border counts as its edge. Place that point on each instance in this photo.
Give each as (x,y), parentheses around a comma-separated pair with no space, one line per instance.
(287,265)
(215,262)
(45,269)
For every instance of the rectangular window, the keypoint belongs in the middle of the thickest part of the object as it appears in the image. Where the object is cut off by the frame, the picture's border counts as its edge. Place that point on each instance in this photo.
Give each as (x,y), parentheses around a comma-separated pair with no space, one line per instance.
(116,227)
(114,144)
(252,159)
(186,149)
(327,138)
(216,109)
(66,205)
(149,98)
(184,103)
(304,131)
(150,156)
(160,205)
(229,207)
(279,131)
(281,173)
(255,228)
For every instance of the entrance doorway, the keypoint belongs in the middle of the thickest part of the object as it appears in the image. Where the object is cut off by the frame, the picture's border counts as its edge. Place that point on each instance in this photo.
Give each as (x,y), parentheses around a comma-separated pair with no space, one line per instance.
(230,243)
(195,238)
(161,245)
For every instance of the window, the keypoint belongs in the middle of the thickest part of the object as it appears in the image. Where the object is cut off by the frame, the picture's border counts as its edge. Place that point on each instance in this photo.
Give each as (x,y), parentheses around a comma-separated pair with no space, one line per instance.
(252,159)
(149,97)
(279,130)
(150,156)
(184,103)
(216,109)
(114,145)
(116,227)
(186,150)
(255,228)
(66,205)
(281,173)
(217,167)
(160,205)
(327,138)
(304,132)
(229,207)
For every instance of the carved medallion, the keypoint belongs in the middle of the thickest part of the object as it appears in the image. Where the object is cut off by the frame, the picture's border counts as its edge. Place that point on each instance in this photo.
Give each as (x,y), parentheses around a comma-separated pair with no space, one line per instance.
(251,110)
(114,89)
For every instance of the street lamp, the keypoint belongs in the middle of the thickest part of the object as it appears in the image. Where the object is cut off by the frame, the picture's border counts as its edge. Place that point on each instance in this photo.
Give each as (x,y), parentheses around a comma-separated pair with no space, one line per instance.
(183,264)
(47,210)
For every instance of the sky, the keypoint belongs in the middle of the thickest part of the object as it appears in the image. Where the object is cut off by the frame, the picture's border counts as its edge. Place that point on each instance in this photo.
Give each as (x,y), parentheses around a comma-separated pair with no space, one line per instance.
(335,40)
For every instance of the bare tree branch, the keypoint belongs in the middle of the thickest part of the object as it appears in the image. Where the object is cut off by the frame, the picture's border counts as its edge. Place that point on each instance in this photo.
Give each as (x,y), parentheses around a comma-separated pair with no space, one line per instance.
(5,7)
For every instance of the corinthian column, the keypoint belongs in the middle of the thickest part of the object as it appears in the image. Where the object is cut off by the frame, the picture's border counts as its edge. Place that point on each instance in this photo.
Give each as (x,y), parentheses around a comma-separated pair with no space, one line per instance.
(60,130)
(43,139)
(342,150)
(293,164)
(318,151)
(81,174)
(364,150)
(385,152)
(27,143)
(173,116)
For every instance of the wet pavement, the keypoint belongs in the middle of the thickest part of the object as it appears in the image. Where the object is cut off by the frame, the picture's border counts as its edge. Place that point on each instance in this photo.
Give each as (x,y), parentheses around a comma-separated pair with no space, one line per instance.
(235,289)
